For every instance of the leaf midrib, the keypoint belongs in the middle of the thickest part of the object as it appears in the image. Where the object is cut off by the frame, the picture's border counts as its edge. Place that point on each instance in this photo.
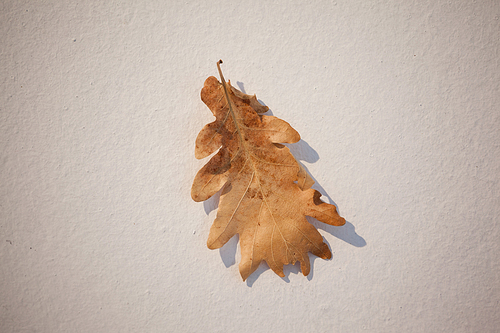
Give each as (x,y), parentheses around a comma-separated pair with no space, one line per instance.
(244,145)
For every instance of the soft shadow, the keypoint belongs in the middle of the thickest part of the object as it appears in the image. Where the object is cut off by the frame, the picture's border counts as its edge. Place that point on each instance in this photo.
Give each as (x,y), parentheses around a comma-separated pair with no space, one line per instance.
(212,203)
(241,86)
(291,269)
(312,259)
(228,251)
(242,89)
(255,275)
(302,151)
(287,270)
(347,233)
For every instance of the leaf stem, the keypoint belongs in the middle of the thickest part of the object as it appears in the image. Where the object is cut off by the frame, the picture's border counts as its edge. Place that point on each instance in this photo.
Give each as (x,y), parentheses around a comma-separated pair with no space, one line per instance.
(220,72)
(231,111)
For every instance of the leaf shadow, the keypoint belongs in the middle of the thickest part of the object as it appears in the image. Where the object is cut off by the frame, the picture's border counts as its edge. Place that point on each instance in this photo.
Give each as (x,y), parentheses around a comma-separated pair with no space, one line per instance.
(263,267)
(228,251)
(241,85)
(212,203)
(302,151)
(347,232)
(287,270)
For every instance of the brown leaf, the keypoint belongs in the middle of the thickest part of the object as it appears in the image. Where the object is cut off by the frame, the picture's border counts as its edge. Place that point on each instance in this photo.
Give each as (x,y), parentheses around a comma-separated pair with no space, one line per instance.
(266,194)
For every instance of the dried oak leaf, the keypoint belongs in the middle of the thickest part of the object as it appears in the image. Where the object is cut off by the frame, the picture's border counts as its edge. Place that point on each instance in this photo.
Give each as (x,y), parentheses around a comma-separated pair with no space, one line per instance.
(266,194)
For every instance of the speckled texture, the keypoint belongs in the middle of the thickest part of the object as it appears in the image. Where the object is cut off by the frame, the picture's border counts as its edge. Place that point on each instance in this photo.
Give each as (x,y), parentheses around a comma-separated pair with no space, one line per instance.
(99,111)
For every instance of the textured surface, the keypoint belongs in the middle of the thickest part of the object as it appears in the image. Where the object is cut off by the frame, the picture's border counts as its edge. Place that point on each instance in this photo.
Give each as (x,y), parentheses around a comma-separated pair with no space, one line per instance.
(99,109)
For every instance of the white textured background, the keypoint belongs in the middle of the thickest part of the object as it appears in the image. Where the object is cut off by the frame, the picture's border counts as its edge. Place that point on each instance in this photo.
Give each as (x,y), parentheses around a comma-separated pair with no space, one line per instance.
(398,105)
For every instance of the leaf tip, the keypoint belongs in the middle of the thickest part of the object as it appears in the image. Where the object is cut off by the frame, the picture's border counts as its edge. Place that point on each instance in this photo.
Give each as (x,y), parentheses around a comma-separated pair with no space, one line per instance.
(213,242)
(327,254)
(340,222)
(196,197)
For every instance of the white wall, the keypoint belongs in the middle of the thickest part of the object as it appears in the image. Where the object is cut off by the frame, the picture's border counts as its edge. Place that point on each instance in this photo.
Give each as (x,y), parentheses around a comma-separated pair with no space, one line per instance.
(397,103)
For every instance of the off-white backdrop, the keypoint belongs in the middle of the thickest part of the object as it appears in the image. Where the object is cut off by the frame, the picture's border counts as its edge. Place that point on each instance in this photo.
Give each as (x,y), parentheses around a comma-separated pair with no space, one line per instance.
(397,103)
